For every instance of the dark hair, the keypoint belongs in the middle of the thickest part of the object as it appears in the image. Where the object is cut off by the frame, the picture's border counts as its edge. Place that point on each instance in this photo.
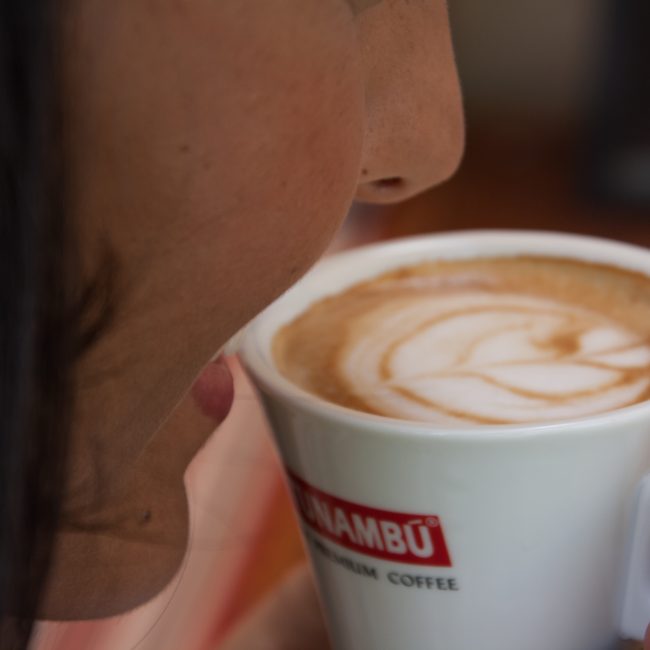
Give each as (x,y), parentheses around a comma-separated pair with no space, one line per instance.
(36,338)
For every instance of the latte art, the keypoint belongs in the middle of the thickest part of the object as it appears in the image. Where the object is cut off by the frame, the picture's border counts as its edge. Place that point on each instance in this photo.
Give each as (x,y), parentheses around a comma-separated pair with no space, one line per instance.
(491,358)
(498,341)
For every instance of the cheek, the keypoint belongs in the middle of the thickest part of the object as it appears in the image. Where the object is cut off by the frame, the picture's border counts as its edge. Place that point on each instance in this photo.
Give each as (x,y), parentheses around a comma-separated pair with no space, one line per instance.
(296,189)
(285,187)
(281,167)
(217,143)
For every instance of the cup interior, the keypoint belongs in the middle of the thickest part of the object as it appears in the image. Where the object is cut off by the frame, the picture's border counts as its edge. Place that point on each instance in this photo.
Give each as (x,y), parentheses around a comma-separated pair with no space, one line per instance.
(339,272)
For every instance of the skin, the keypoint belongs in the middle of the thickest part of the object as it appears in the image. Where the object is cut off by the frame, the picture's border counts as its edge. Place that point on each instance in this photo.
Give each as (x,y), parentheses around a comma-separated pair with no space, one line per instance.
(214,148)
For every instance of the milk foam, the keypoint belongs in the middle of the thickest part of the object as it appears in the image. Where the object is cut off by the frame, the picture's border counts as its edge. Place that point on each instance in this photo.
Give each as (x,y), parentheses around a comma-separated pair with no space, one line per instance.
(485,341)
(481,356)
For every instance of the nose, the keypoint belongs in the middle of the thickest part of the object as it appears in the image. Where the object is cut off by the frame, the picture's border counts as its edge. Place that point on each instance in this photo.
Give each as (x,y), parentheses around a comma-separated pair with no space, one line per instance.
(415,130)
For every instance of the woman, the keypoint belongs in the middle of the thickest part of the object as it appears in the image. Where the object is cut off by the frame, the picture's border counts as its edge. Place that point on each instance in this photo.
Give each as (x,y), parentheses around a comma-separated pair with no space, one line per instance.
(168,168)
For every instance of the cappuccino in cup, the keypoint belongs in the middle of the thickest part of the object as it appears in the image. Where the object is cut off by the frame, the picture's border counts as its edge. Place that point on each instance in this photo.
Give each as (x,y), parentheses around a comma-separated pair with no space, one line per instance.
(483,341)
(465,425)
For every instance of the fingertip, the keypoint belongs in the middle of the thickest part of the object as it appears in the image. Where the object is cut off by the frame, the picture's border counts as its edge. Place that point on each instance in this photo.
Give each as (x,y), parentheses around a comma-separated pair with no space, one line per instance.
(213,391)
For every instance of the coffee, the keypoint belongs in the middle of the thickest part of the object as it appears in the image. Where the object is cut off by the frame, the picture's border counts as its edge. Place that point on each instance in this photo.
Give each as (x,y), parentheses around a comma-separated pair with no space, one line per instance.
(483,341)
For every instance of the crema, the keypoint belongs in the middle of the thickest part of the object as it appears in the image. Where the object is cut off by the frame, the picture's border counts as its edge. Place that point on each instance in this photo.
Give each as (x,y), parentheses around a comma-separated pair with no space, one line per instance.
(483,341)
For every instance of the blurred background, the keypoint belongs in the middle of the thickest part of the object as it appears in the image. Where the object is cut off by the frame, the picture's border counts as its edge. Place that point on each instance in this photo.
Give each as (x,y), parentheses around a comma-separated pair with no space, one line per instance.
(557,99)
(557,96)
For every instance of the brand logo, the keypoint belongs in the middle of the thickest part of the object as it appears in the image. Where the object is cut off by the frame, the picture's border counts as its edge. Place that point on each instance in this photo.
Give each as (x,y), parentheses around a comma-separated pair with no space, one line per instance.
(396,536)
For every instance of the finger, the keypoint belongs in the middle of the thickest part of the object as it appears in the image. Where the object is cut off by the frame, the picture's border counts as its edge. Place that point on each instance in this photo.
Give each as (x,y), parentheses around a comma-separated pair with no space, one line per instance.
(288,619)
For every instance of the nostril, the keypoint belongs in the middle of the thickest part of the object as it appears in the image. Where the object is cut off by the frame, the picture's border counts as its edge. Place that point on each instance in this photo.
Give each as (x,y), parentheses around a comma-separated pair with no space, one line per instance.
(392,183)
(384,190)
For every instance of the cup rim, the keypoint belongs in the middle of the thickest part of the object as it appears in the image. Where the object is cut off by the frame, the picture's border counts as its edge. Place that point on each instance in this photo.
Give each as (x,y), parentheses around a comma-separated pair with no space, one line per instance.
(574,246)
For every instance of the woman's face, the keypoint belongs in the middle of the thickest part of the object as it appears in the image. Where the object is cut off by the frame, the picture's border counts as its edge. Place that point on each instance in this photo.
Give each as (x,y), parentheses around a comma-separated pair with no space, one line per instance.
(214,146)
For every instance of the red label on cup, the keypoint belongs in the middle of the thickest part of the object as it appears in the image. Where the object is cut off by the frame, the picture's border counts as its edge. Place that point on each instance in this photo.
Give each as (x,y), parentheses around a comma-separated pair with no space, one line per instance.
(395,536)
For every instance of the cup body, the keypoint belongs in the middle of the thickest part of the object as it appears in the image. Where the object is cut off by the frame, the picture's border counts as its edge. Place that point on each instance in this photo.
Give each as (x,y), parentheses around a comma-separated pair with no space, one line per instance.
(421,537)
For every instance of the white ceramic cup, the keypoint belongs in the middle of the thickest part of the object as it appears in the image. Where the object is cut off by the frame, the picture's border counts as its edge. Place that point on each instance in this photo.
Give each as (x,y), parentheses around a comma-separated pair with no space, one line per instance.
(519,537)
